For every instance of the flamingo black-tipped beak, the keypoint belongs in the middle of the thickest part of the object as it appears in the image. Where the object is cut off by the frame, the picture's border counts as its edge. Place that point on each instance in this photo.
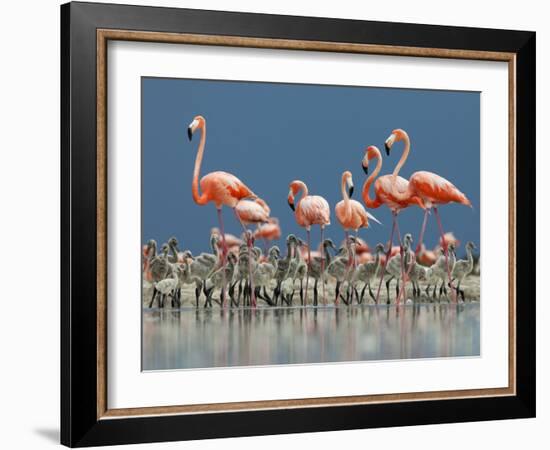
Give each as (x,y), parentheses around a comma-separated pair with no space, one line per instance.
(365,169)
(189,133)
(388,148)
(291,205)
(350,191)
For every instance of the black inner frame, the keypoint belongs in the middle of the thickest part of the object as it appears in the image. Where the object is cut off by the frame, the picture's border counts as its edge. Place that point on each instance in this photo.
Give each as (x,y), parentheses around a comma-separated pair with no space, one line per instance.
(79,424)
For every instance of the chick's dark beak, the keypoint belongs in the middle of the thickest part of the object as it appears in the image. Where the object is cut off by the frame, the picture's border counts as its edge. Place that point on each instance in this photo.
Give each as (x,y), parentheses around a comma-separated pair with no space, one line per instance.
(189,133)
(291,205)
(350,191)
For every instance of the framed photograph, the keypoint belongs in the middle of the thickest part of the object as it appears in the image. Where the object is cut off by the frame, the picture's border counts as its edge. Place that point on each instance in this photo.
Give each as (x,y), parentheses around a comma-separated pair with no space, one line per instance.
(311,263)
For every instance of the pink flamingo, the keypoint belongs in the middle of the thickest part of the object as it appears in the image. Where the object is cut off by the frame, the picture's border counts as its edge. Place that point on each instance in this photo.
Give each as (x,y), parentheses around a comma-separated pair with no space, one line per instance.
(351,214)
(310,210)
(268,231)
(385,193)
(220,188)
(230,239)
(251,212)
(433,189)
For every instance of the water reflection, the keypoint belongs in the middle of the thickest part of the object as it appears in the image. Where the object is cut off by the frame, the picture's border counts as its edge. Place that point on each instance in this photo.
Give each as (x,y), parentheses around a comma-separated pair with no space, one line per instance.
(187,338)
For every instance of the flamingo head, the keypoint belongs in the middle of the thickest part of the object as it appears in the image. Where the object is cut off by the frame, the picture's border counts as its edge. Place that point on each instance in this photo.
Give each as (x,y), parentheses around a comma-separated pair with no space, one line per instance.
(470,245)
(370,153)
(291,239)
(328,243)
(379,248)
(173,242)
(291,201)
(294,187)
(348,179)
(396,135)
(198,122)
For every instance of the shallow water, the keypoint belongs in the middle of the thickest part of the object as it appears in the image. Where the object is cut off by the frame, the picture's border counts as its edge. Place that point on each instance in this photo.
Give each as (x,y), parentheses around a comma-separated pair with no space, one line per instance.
(189,338)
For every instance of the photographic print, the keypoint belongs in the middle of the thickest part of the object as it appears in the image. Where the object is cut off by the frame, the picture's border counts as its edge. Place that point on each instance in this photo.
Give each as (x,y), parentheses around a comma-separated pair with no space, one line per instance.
(298,224)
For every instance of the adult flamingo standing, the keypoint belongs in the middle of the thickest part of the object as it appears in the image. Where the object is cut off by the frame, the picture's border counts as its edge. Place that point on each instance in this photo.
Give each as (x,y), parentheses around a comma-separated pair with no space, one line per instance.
(384,192)
(433,189)
(310,210)
(351,214)
(220,188)
(251,212)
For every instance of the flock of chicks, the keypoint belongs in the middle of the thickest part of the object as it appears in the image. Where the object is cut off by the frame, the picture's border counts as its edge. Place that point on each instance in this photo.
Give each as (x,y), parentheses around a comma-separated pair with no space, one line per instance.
(278,280)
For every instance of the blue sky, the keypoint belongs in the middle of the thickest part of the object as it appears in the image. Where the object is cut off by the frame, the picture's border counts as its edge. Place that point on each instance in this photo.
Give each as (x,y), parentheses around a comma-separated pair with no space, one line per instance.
(269,134)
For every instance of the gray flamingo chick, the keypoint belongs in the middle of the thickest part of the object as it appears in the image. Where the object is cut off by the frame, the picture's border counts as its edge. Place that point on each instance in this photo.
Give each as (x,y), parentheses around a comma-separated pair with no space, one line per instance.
(317,264)
(367,272)
(159,267)
(463,268)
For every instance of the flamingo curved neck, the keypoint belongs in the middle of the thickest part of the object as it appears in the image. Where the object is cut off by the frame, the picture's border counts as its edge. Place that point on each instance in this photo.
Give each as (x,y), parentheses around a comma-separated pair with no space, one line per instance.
(401,196)
(404,157)
(470,256)
(372,202)
(288,250)
(197,197)
(328,257)
(214,246)
(303,189)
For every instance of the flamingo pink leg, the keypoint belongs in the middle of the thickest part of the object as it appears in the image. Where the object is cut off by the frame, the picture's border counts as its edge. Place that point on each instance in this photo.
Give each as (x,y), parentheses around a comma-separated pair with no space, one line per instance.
(388,253)
(402,253)
(446,251)
(323,265)
(421,237)
(355,252)
(249,246)
(308,232)
(224,255)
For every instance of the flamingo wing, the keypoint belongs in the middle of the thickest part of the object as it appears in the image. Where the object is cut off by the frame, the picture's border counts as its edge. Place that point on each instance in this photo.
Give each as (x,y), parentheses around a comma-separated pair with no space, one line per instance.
(362,214)
(437,189)
(269,231)
(224,188)
(251,212)
(384,190)
(315,210)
